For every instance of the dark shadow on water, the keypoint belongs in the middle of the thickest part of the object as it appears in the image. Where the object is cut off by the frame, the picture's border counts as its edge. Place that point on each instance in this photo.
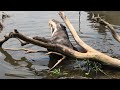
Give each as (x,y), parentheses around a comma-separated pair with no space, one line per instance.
(15,62)
(12,61)
(66,63)
(53,59)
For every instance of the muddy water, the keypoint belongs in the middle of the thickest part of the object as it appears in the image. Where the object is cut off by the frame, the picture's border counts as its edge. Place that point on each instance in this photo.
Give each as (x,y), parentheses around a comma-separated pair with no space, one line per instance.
(20,65)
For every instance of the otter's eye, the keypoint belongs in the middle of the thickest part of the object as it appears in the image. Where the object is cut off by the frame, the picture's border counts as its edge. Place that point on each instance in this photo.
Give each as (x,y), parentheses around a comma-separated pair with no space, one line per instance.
(50,25)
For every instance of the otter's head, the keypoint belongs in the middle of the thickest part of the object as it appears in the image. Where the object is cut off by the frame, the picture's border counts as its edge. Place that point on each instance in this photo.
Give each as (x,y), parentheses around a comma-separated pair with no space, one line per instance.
(55,26)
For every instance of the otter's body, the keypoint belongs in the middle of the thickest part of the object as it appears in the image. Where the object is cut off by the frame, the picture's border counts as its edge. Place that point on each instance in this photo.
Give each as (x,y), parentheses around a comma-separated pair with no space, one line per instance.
(59,33)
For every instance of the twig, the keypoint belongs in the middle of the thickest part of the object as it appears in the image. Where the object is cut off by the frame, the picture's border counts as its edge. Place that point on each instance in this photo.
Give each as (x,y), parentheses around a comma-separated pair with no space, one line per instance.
(22,42)
(59,61)
(27,50)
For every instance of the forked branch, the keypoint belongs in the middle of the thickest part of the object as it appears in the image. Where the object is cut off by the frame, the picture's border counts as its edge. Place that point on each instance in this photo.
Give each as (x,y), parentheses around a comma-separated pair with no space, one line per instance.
(91,53)
(110,27)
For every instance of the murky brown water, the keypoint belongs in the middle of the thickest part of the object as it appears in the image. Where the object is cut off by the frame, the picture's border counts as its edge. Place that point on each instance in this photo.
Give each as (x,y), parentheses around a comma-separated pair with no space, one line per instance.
(20,65)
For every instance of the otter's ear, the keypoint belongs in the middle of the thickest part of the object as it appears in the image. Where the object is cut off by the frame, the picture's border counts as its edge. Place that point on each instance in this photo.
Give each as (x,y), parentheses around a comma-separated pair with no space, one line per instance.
(63,26)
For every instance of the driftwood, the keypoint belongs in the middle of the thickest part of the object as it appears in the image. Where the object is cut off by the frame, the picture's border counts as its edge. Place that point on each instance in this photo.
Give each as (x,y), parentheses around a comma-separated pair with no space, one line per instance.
(91,53)
(110,27)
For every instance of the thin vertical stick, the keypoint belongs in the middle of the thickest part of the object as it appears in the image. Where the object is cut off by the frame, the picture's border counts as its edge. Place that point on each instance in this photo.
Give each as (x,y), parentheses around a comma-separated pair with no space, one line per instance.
(79,20)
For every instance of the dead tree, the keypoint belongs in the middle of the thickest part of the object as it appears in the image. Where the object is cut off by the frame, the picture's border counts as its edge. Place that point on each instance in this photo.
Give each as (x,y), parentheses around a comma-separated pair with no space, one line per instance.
(91,53)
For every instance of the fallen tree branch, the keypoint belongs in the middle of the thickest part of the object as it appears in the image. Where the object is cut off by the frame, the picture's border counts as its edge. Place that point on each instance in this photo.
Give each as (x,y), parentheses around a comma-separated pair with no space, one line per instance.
(110,27)
(42,39)
(36,38)
(91,53)
(6,37)
(55,47)
(22,42)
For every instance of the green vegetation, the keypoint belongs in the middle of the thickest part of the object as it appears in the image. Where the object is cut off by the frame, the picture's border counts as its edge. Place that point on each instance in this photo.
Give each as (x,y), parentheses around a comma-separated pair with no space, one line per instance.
(57,72)
(90,67)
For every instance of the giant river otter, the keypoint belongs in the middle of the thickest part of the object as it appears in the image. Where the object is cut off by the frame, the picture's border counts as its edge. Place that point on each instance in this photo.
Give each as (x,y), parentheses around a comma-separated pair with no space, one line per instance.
(59,36)
(59,33)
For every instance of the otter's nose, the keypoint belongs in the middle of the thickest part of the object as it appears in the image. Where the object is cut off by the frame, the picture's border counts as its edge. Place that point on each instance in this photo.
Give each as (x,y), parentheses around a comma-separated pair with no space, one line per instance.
(49,23)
